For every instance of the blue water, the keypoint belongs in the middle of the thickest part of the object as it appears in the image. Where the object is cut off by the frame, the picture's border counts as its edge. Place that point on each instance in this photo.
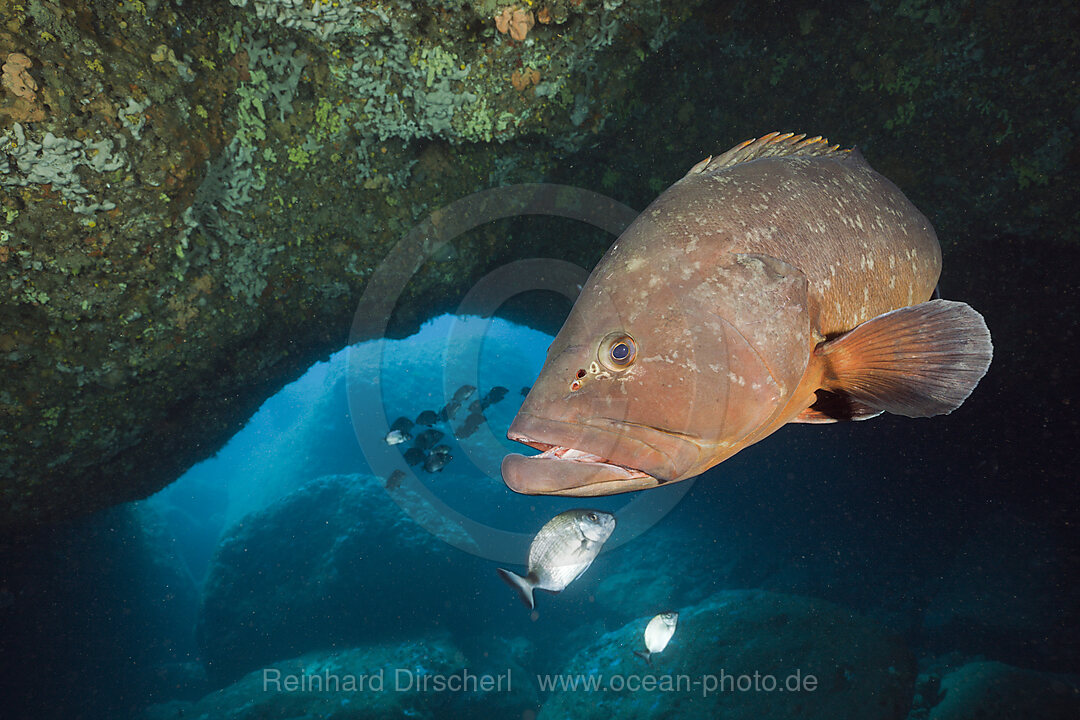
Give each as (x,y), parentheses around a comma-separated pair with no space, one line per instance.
(287,544)
(306,431)
(917,569)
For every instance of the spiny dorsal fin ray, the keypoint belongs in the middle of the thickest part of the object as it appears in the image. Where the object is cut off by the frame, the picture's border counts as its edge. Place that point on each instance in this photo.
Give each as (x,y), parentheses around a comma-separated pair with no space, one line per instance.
(774,144)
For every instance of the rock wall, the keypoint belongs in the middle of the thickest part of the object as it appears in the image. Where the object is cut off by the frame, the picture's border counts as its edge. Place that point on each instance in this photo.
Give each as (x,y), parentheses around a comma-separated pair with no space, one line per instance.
(193,197)
(96,619)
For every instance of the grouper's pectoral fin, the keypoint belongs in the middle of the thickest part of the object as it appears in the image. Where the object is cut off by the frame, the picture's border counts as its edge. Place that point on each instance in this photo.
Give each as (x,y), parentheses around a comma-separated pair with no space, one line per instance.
(917,361)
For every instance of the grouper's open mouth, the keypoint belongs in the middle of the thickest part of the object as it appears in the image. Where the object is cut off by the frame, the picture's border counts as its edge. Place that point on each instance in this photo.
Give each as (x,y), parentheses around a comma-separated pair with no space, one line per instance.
(613,462)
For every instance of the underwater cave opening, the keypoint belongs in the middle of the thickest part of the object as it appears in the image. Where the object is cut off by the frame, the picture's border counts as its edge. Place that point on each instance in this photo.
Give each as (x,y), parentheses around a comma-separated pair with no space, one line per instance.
(306,430)
(492,333)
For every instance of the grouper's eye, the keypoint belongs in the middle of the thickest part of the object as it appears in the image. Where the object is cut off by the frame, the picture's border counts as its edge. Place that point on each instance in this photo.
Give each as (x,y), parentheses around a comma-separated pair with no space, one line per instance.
(617,351)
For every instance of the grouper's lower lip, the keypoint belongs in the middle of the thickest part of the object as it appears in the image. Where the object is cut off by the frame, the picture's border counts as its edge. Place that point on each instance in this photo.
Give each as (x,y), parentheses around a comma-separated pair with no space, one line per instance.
(562,469)
(553,475)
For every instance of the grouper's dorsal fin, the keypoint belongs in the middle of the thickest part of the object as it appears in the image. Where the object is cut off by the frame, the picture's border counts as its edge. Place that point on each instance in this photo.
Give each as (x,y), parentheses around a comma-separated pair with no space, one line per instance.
(774,144)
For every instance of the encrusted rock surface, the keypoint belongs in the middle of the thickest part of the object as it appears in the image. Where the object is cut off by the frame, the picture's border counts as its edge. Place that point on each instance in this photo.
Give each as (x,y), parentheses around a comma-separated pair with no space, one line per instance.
(193,197)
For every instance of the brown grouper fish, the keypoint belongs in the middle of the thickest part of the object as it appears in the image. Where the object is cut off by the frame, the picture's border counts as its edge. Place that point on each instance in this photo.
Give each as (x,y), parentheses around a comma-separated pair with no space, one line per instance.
(783,281)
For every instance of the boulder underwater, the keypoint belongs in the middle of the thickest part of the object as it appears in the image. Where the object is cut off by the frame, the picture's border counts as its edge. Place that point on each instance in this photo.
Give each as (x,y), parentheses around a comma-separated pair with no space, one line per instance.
(335,562)
(96,619)
(426,677)
(987,690)
(745,654)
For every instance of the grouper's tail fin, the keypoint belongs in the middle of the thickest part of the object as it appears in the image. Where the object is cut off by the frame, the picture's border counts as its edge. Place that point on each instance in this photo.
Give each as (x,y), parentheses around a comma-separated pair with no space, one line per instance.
(523,585)
(917,361)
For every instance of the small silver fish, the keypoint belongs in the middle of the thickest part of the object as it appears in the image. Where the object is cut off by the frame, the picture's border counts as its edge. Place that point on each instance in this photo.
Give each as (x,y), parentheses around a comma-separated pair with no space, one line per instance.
(563,549)
(402,423)
(472,424)
(428,438)
(449,411)
(394,481)
(658,634)
(463,393)
(396,437)
(496,394)
(427,417)
(435,462)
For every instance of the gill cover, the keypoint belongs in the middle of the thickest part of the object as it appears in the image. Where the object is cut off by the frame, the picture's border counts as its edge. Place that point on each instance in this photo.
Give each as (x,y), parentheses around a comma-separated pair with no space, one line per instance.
(756,305)
(665,383)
